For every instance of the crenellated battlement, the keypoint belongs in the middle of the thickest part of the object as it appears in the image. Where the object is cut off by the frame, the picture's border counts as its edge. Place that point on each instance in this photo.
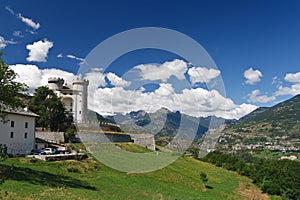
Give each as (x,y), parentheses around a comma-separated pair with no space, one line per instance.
(80,81)
(55,80)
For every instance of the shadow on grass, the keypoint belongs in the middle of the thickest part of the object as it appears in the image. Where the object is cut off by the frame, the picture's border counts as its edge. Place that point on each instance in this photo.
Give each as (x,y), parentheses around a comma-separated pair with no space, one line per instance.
(41,178)
(209,187)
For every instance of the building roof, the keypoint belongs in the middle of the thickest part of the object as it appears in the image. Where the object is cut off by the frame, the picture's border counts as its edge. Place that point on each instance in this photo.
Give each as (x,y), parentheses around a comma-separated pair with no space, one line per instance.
(40,140)
(19,111)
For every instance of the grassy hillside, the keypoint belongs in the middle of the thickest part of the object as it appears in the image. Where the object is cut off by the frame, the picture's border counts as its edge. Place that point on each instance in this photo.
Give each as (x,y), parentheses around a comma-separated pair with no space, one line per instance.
(89,179)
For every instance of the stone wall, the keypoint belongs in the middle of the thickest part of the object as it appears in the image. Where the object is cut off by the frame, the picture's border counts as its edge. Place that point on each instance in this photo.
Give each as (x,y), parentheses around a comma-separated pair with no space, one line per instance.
(145,140)
(103,137)
(52,137)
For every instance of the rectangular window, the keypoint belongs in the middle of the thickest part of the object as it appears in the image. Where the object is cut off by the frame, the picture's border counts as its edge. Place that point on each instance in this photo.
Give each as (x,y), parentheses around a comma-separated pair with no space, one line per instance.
(11,134)
(26,124)
(25,135)
(80,112)
(12,124)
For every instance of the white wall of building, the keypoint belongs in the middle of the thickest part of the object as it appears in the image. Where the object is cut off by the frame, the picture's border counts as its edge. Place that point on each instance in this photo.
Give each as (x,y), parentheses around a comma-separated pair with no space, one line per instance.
(74,96)
(16,135)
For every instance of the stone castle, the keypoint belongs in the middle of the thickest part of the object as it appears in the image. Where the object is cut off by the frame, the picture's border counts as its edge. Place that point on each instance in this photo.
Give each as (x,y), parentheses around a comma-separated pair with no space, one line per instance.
(73,96)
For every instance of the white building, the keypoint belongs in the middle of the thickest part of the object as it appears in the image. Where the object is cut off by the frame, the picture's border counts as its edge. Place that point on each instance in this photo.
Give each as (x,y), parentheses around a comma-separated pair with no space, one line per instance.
(74,96)
(18,132)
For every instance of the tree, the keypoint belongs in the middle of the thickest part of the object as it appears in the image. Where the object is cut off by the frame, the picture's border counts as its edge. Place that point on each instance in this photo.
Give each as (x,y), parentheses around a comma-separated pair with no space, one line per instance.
(70,134)
(10,89)
(3,152)
(203,178)
(49,107)
(3,156)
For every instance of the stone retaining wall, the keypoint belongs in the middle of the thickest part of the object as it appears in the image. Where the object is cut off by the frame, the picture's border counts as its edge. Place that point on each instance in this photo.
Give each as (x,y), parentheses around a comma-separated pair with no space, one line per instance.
(52,137)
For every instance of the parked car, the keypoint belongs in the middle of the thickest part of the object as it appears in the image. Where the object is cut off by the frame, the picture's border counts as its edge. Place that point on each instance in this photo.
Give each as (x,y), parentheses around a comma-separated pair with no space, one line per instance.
(37,152)
(49,151)
(60,151)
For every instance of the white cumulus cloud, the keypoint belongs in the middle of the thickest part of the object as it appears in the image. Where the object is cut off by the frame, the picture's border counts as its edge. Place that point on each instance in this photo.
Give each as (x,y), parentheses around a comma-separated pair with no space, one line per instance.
(256,96)
(292,78)
(293,88)
(164,71)
(252,76)
(202,74)
(34,77)
(196,102)
(192,101)
(116,80)
(38,51)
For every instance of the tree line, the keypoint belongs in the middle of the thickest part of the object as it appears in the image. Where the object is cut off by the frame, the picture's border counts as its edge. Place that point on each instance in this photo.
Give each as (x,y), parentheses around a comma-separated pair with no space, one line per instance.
(275,177)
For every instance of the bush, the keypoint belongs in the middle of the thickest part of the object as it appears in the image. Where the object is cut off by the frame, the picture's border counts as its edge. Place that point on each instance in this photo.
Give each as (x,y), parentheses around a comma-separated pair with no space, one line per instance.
(70,134)
(73,169)
(3,152)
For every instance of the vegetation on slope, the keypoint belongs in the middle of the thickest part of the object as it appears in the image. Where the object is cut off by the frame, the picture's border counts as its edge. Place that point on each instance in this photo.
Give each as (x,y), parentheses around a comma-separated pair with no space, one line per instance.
(88,179)
(275,177)
(282,119)
(276,128)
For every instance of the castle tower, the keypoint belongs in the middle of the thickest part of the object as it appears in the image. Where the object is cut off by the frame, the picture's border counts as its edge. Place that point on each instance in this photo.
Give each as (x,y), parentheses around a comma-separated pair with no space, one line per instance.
(80,88)
(55,84)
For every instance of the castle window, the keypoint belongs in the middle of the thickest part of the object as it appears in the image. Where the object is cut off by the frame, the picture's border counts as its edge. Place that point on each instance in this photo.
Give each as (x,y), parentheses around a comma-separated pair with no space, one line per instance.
(25,135)
(11,134)
(80,112)
(12,124)
(26,124)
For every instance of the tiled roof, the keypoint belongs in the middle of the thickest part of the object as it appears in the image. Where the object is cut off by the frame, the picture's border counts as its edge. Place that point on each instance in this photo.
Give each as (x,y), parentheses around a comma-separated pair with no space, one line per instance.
(19,111)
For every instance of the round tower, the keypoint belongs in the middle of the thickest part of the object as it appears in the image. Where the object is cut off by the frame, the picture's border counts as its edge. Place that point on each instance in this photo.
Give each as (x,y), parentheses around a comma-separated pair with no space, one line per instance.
(55,83)
(80,88)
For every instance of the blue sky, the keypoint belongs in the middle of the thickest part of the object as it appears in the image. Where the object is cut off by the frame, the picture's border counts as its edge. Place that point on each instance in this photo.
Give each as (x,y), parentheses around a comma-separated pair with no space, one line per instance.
(259,36)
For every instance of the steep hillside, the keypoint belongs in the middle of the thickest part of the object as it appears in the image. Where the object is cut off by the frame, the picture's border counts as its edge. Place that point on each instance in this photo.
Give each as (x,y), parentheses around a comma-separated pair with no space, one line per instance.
(274,128)
(284,115)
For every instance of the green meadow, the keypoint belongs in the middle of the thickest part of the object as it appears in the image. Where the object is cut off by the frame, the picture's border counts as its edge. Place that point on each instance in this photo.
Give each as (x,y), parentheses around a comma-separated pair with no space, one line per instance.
(27,178)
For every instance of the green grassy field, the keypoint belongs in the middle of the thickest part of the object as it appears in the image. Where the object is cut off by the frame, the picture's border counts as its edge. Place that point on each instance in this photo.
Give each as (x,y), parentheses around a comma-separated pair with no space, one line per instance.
(276,155)
(89,179)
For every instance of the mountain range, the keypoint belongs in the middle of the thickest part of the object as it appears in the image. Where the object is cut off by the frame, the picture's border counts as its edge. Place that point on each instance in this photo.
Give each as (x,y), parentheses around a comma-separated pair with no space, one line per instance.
(279,124)
(164,124)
